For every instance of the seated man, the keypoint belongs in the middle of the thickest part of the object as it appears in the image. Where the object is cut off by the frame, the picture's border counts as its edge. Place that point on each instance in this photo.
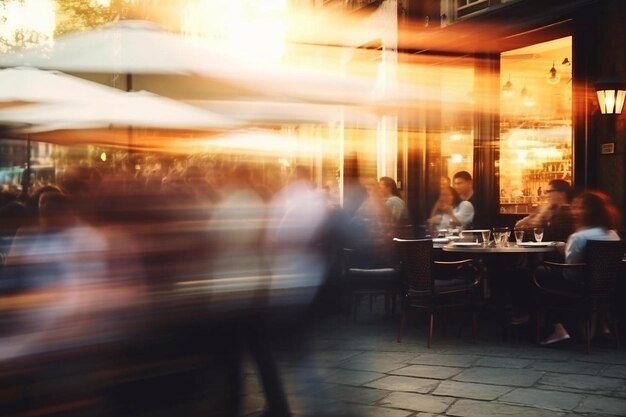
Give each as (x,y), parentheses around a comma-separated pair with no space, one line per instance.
(554,215)
(464,185)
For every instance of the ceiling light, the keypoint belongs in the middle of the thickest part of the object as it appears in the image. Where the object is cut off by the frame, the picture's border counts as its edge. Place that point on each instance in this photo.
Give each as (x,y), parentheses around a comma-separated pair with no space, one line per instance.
(507,88)
(553,76)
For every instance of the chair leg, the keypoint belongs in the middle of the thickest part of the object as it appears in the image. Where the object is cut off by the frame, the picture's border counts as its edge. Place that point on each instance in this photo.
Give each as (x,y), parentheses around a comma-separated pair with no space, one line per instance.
(587,336)
(616,325)
(355,306)
(401,329)
(431,324)
(538,323)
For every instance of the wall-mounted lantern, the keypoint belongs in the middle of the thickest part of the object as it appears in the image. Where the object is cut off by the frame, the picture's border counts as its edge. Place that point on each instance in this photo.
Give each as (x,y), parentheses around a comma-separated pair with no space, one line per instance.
(611,91)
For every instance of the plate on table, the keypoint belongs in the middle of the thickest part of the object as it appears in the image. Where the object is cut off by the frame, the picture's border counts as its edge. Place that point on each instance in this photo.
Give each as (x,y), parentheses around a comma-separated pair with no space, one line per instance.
(536,244)
(467,244)
(441,240)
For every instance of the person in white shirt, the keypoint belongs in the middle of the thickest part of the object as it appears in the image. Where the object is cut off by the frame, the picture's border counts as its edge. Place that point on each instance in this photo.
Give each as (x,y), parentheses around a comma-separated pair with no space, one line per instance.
(450,211)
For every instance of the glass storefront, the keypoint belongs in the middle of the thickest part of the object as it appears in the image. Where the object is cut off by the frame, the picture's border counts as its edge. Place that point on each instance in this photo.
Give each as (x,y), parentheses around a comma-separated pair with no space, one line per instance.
(535,122)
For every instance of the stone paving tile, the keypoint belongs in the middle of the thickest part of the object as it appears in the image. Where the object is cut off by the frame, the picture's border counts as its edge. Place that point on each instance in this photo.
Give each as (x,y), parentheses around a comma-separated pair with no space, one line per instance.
(378,346)
(427,371)
(470,390)
(360,395)
(471,408)
(305,374)
(499,362)
(333,355)
(570,367)
(552,400)
(397,357)
(307,388)
(500,376)
(602,405)
(372,366)
(417,402)
(444,360)
(484,350)
(556,354)
(348,377)
(612,356)
(404,383)
(615,371)
(352,410)
(580,383)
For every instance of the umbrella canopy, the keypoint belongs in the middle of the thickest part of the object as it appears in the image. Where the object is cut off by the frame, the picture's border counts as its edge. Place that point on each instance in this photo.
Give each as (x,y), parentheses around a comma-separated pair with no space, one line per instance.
(135,109)
(123,47)
(140,50)
(154,59)
(31,85)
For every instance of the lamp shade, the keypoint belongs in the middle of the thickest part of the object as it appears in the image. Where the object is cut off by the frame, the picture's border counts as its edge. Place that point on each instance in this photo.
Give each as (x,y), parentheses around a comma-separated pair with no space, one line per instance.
(611,93)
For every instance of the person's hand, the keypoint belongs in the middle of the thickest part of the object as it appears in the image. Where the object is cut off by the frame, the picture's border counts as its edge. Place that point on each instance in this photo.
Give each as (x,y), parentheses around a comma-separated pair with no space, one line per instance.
(560,247)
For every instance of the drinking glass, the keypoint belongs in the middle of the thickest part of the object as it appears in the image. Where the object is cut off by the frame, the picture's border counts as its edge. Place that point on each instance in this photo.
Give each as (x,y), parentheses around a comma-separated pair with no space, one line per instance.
(497,238)
(538,233)
(507,237)
(500,236)
(485,234)
(519,236)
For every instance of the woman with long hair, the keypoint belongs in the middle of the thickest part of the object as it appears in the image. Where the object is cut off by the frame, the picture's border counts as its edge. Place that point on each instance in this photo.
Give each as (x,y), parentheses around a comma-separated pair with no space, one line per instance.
(596,218)
(450,211)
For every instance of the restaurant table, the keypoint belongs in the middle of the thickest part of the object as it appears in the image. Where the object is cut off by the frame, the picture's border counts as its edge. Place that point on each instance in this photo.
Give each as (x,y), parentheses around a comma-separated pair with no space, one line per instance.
(502,250)
(499,262)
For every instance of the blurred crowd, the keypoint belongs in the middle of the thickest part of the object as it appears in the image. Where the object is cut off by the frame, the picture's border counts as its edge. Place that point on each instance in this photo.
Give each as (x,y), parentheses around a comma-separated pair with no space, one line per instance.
(135,272)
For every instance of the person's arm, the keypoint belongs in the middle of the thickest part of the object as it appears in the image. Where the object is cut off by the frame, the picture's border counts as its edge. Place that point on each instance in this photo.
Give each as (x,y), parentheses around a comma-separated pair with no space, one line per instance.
(463,214)
(574,249)
(536,219)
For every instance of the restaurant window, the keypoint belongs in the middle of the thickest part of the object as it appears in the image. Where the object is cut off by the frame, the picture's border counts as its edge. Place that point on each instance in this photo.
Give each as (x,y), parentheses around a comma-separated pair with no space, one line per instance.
(535,122)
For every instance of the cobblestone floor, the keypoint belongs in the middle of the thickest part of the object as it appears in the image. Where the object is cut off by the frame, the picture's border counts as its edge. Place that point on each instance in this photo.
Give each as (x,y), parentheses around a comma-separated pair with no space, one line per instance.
(360,370)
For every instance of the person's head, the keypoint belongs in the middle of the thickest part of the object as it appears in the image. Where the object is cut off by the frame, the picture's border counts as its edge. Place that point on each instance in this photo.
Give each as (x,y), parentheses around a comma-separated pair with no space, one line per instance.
(444,182)
(559,192)
(388,187)
(55,210)
(449,196)
(595,209)
(462,183)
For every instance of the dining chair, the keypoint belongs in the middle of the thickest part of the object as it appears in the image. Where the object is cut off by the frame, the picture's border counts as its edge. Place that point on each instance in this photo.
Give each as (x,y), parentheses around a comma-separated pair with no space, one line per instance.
(366,275)
(422,291)
(600,274)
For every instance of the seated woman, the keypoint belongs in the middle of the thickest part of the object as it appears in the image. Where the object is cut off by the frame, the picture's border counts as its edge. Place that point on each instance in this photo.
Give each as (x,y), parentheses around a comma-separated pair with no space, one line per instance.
(450,211)
(597,219)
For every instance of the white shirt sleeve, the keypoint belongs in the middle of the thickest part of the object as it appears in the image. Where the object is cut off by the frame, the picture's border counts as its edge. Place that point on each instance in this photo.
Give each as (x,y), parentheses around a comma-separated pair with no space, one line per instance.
(464,213)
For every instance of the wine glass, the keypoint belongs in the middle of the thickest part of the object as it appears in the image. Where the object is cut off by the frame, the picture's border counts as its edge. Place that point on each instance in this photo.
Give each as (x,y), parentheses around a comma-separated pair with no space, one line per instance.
(485,235)
(538,233)
(519,236)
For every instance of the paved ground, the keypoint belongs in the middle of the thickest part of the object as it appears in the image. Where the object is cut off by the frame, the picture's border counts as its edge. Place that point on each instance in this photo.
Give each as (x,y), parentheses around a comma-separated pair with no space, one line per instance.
(360,370)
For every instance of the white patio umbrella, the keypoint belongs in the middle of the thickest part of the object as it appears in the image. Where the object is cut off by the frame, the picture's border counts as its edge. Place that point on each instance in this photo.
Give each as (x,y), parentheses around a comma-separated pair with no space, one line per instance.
(23,85)
(154,59)
(31,85)
(109,120)
(137,109)
(132,48)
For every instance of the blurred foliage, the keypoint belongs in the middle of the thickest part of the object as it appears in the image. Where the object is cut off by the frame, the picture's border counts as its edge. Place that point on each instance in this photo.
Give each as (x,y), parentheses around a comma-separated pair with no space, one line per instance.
(71,16)
(77,15)
(21,37)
